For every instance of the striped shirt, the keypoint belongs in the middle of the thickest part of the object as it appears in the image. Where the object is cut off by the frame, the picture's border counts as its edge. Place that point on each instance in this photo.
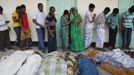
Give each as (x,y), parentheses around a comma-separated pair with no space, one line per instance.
(128,18)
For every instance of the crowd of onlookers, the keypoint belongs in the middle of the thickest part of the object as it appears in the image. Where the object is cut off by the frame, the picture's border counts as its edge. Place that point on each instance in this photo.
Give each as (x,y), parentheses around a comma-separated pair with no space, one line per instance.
(71,34)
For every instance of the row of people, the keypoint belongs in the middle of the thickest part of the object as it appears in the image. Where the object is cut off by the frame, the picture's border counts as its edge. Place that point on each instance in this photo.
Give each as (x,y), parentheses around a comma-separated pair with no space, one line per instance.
(71,24)
(70,28)
(20,21)
(114,21)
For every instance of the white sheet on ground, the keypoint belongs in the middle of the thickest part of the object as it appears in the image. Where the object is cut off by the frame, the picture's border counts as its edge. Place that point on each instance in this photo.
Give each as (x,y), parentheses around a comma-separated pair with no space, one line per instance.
(11,64)
(31,66)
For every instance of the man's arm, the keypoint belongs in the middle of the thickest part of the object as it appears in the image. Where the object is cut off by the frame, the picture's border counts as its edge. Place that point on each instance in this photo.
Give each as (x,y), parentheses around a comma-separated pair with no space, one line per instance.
(108,21)
(35,22)
(15,19)
(49,30)
(133,21)
(122,23)
(90,18)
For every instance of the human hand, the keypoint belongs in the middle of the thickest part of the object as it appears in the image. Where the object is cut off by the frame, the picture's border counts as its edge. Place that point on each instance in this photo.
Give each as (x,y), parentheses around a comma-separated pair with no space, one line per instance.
(41,26)
(51,34)
(94,15)
(7,21)
(9,28)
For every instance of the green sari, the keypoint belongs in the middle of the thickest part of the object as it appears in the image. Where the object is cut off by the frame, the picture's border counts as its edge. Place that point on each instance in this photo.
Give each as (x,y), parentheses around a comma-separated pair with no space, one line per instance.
(77,43)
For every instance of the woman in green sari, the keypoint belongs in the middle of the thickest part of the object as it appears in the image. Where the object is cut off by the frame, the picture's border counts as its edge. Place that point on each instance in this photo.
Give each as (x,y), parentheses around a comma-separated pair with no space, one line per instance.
(77,43)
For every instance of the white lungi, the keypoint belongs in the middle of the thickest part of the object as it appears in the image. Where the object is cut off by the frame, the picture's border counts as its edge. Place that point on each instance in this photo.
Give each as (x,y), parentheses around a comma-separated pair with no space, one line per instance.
(100,36)
(88,37)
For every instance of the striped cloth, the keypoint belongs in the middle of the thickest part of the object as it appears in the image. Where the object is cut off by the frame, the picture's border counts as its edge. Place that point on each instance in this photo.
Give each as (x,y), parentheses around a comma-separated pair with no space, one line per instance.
(128,17)
(53,65)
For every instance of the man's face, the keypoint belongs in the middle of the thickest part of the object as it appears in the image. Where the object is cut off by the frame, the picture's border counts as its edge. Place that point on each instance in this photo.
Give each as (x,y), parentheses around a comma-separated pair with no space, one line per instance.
(114,14)
(106,12)
(40,7)
(53,10)
(23,9)
(91,9)
(18,11)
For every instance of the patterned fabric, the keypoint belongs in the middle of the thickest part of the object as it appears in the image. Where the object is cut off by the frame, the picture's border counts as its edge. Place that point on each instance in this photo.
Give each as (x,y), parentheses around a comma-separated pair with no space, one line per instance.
(57,63)
(25,35)
(103,58)
(101,19)
(51,21)
(26,40)
(116,58)
(71,63)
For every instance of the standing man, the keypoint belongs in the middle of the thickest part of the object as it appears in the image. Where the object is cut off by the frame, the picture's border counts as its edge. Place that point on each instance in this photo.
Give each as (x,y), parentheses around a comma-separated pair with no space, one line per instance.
(89,19)
(4,32)
(127,25)
(16,24)
(51,25)
(39,20)
(113,23)
(101,24)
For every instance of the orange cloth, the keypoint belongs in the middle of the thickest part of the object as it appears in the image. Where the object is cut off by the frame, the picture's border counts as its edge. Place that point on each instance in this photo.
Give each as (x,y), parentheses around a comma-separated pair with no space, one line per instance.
(25,35)
(93,53)
(117,71)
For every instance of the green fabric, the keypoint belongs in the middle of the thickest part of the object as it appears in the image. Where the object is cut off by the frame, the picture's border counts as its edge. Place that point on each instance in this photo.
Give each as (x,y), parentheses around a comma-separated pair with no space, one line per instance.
(76,35)
(113,20)
(47,63)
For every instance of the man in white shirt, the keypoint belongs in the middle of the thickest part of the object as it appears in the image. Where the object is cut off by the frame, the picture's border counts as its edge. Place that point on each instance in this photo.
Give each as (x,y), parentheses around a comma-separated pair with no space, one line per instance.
(89,19)
(101,22)
(39,20)
(4,32)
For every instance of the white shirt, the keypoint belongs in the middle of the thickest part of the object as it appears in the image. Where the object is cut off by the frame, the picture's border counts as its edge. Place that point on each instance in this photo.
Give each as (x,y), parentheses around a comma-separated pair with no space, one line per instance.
(101,19)
(3,26)
(88,19)
(40,18)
